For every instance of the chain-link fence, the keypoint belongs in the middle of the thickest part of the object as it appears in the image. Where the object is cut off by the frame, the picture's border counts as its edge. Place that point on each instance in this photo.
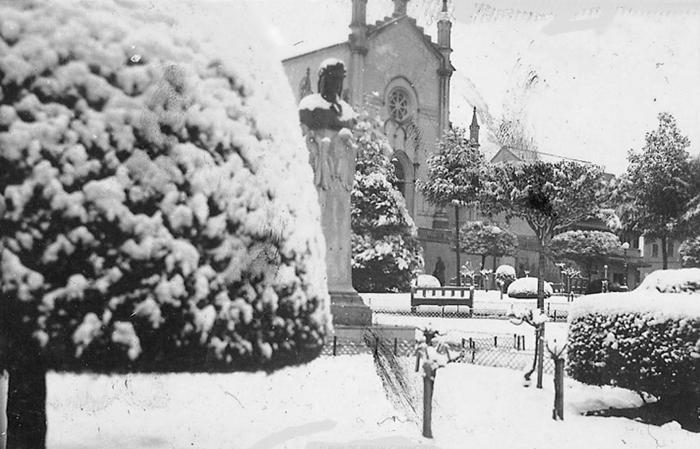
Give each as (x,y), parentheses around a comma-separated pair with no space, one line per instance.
(496,350)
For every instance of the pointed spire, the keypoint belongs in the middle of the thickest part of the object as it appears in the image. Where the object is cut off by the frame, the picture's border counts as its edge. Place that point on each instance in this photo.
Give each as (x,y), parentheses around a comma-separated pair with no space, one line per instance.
(474,129)
(444,6)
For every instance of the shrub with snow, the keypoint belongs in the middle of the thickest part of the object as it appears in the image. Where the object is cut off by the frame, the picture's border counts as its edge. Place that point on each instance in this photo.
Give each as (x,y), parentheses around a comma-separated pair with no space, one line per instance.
(526,288)
(426,280)
(690,252)
(385,249)
(672,281)
(157,203)
(505,275)
(643,340)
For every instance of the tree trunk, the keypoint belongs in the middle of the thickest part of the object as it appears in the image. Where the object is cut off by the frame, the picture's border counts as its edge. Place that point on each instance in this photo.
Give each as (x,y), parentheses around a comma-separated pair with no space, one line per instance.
(664,252)
(459,264)
(540,305)
(26,397)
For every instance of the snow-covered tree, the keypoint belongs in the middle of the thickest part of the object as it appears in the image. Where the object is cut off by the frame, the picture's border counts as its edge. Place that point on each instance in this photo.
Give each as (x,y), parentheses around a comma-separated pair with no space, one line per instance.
(385,250)
(585,248)
(548,197)
(157,209)
(486,239)
(656,188)
(690,252)
(454,172)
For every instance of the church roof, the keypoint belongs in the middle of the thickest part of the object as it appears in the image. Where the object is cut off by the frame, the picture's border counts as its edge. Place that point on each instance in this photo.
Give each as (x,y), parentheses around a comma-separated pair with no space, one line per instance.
(376,28)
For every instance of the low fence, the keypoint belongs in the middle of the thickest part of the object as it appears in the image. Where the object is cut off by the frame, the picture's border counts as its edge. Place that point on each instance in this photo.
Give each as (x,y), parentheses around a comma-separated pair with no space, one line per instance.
(495,350)
(555,312)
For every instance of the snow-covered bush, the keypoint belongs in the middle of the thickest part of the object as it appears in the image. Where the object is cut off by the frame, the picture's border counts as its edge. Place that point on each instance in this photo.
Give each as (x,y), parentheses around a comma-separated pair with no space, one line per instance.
(672,281)
(690,252)
(157,203)
(505,275)
(385,249)
(426,280)
(526,288)
(642,340)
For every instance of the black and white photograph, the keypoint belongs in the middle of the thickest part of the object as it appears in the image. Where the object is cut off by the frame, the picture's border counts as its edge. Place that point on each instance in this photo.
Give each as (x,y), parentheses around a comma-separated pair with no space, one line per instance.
(349,224)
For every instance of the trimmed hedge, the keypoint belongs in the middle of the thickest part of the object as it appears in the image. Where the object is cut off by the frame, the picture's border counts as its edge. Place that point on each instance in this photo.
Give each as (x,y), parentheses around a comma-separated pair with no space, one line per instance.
(157,207)
(652,349)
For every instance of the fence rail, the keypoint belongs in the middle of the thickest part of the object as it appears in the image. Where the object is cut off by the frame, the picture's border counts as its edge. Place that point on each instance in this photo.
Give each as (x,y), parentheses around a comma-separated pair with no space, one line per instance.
(496,350)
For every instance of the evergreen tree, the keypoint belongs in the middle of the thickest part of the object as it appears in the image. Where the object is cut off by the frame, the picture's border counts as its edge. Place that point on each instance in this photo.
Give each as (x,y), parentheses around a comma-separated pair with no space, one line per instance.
(386,252)
(690,252)
(656,189)
(454,172)
(157,210)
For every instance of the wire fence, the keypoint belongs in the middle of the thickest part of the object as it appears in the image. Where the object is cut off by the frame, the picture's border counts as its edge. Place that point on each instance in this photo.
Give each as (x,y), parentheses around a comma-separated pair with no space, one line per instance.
(495,350)
(555,312)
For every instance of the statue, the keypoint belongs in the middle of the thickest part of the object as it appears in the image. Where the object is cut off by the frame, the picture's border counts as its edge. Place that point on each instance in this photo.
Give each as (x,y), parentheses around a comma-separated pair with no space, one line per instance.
(325,110)
(326,121)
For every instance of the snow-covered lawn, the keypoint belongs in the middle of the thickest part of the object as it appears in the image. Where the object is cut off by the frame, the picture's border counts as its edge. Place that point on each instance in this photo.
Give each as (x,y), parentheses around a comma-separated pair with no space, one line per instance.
(329,400)
(337,402)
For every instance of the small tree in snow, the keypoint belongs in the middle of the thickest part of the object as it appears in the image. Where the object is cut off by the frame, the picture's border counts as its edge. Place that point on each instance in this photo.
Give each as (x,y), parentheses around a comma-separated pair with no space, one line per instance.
(548,197)
(585,248)
(656,188)
(385,250)
(486,239)
(454,176)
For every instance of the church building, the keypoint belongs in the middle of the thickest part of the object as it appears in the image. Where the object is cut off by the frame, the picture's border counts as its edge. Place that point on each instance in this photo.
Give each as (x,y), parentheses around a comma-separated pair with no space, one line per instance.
(395,68)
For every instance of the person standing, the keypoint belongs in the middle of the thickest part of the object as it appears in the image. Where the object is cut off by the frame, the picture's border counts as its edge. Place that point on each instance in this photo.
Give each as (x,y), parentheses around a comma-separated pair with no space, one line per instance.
(439,271)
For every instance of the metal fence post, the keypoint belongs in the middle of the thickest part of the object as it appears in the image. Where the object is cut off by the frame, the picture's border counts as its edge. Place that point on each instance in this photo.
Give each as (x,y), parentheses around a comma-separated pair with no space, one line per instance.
(335,344)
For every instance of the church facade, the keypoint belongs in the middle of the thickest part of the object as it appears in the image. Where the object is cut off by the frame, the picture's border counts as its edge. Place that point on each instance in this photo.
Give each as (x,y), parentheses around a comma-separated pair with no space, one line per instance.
(395,69)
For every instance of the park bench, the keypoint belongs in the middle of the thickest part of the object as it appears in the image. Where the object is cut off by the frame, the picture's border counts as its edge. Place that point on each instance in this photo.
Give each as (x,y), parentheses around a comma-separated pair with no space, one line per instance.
(442,296)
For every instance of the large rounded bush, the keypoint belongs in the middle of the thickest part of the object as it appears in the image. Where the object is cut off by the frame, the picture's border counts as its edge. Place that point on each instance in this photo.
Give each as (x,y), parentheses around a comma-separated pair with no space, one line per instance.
(643,340)
(158,209)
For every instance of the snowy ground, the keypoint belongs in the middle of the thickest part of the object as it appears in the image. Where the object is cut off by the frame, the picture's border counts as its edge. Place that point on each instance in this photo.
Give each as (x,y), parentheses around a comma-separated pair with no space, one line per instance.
(340,403)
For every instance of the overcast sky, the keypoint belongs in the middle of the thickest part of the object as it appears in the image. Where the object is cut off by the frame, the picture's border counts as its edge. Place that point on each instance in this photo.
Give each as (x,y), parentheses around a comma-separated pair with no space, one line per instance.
(601,75)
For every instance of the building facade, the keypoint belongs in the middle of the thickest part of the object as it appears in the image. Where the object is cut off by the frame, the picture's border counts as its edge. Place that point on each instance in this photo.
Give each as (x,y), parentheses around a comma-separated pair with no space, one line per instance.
(396,69)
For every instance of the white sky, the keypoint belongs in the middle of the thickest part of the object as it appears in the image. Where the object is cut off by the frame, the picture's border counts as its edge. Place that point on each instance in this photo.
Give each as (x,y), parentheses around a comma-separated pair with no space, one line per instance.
(603,76)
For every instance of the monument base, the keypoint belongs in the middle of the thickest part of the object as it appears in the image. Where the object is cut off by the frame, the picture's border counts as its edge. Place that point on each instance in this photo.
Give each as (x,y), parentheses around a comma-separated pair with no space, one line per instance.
(348,308)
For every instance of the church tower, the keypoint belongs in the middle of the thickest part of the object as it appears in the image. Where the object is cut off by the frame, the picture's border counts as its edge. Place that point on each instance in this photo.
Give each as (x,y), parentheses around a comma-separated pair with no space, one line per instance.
(358,51)
(445,72)
(474,130)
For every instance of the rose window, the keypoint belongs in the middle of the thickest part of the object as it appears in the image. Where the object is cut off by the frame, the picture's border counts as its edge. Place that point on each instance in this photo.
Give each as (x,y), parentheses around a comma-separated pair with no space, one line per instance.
(398,105)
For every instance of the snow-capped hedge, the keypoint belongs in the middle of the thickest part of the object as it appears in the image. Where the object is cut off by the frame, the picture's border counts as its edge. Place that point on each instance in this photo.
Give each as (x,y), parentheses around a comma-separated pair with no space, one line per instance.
(505,275)
(156,198)
(526,288)
(672,281)
(641,340)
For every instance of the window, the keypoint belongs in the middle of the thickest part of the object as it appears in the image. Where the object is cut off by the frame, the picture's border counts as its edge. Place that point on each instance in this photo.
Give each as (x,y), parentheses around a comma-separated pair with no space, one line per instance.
(400,176)
(654,250)
(399,104)
(670,249)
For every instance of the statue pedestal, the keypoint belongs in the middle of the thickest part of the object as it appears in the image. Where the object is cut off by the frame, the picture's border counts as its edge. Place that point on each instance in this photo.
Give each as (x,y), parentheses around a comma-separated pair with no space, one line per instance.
(333,160)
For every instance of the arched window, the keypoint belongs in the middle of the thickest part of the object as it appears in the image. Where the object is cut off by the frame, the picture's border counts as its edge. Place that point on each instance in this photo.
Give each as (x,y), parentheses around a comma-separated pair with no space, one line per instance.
(400,176)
